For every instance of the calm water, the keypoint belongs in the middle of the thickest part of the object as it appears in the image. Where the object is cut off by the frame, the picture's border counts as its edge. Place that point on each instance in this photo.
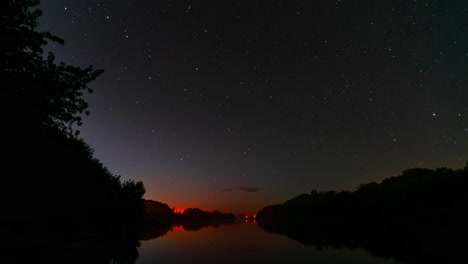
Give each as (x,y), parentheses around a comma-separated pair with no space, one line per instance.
(242,243)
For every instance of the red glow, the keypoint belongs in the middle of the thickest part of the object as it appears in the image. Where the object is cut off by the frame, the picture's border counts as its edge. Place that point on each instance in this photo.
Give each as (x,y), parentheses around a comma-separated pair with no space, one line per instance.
(179,210)
(177,228)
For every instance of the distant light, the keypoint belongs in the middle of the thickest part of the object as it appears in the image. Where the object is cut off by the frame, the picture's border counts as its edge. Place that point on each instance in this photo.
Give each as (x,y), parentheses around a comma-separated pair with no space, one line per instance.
(65,8)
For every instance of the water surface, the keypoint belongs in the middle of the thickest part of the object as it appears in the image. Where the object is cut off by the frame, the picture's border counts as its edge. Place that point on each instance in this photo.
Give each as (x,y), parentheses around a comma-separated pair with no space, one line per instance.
(243,243)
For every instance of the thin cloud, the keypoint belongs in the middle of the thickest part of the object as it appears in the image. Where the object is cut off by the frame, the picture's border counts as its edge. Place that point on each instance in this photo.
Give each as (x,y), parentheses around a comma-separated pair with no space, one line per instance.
(249,189)
(243,189)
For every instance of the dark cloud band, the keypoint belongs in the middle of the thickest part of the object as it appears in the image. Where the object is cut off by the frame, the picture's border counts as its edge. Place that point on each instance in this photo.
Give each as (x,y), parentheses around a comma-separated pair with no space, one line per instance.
(244,189)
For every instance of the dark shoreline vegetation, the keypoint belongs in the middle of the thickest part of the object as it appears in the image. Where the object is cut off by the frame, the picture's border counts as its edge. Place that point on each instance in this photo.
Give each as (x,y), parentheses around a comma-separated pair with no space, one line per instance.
(59,203)
(55,196)
(417,217)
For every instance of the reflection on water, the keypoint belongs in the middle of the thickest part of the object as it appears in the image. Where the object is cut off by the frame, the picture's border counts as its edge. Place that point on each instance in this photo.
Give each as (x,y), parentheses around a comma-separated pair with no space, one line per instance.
(32,249)
(242,242)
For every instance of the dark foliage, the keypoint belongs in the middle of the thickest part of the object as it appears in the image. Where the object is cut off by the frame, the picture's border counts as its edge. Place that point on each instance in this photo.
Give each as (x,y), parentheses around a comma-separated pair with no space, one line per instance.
(418,194)
(45,96)
(53,189)
(190,219)
(416,217)
(157,209)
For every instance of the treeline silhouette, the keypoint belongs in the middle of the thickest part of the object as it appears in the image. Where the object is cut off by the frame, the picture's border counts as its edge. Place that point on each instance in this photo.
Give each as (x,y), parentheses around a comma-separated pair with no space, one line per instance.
(53,191)
(416,217)
(160,219)
(191,219)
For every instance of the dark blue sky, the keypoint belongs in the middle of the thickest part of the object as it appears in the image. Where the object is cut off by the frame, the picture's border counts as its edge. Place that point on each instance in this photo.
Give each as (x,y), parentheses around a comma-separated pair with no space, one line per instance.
(233,105)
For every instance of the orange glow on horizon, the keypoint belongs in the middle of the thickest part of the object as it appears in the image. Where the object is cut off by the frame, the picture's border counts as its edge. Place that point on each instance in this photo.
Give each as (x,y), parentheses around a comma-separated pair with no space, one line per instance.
(182,209)
(176,228)
(191,199)
(179,204)
(179,210)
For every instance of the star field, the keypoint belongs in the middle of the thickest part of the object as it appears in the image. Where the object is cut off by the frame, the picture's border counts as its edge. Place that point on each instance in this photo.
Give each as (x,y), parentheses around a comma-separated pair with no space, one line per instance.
(233,105)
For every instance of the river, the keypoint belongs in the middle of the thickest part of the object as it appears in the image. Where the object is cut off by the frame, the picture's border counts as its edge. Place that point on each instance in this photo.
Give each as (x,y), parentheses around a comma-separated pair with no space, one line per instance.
(243,242)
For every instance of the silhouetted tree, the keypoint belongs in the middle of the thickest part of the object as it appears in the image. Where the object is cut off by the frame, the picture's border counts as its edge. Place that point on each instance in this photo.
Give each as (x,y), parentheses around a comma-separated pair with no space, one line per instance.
(418,216)
(196,213)
(417,195)
(45,95)
(54,189)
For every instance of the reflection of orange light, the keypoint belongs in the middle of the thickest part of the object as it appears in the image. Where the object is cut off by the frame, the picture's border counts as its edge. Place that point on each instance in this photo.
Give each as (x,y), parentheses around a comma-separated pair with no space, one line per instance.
(177,228)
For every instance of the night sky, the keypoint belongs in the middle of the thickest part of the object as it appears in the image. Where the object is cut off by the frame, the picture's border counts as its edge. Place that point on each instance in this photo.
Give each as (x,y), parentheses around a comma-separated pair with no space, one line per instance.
(234,105)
